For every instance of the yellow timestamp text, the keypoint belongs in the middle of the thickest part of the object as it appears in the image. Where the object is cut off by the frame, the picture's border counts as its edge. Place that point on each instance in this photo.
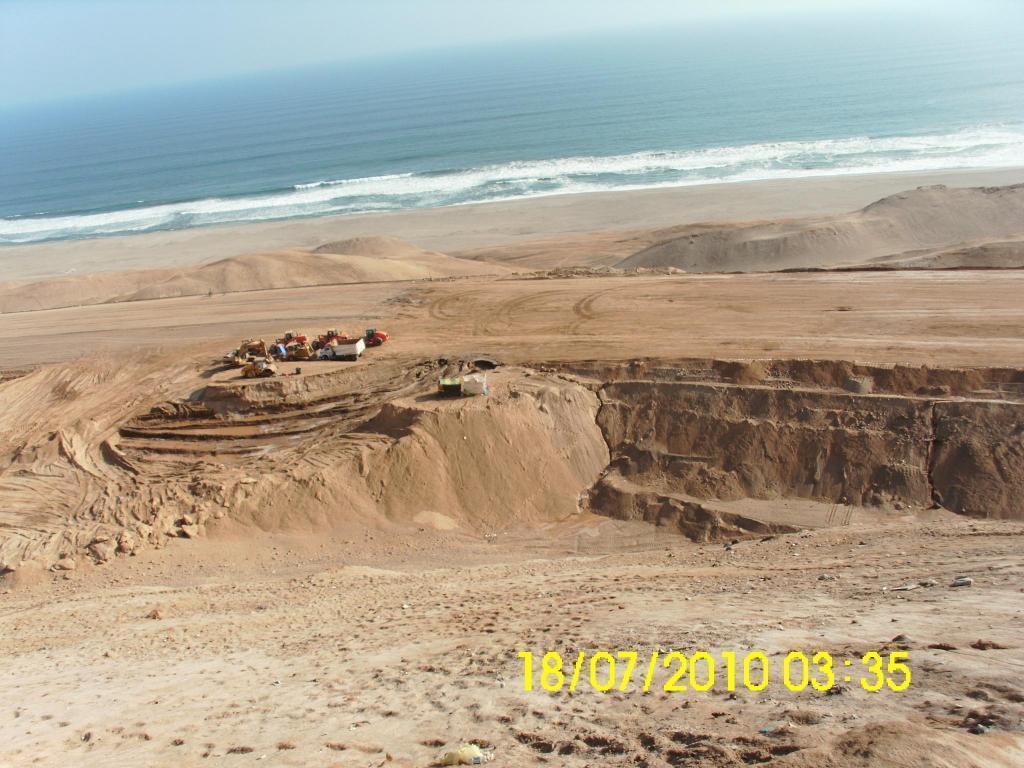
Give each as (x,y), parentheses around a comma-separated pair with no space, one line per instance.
(677,672)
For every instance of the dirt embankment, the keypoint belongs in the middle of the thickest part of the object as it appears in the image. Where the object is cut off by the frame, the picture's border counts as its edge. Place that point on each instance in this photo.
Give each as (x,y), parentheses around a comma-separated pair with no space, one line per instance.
(790,430)
(96,464)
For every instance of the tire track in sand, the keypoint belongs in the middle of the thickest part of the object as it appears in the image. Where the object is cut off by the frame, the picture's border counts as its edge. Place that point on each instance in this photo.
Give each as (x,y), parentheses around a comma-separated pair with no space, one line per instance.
(585,311)
(504,315)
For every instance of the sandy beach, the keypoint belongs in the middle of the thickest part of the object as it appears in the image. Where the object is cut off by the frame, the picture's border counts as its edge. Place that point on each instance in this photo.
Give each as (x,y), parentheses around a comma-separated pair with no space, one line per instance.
(467,227)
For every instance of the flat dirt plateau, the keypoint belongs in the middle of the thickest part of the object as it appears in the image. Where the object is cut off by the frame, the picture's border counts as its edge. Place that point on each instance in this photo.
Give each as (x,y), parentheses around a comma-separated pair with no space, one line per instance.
(339,567)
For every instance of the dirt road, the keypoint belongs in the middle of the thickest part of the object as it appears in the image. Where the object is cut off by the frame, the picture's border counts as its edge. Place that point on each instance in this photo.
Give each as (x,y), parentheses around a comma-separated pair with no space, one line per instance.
(939,318)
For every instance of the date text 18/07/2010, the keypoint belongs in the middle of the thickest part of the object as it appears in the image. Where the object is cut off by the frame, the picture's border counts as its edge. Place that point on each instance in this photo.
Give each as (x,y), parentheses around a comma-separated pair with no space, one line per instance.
(676,672)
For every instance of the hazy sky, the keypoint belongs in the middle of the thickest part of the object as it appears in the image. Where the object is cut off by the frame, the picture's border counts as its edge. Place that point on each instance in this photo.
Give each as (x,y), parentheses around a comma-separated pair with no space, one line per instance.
(53,49)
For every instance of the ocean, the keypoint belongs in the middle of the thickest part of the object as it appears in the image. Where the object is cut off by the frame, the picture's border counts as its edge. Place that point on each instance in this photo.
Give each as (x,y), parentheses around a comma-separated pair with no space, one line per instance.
(707,103)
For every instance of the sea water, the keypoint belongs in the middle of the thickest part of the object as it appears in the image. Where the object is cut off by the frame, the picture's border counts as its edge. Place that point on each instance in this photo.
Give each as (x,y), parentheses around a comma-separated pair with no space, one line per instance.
(712,102)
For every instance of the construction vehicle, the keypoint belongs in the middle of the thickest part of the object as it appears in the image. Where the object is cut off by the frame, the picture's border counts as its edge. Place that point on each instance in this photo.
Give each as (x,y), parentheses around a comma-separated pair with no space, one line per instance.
(291,336)
(300,351)
(344,349)
(247,351)
(328,339)
(375,338)
(259,368)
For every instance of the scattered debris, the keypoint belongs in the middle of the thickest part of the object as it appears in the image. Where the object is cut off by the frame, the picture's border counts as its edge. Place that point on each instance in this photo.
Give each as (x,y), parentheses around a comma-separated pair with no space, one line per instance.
(906,587)
(467,754)
(987,645)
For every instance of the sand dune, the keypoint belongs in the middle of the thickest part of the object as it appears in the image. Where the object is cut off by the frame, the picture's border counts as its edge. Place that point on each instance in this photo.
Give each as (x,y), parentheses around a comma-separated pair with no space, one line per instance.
(926,228)
(364,259)
(925,218)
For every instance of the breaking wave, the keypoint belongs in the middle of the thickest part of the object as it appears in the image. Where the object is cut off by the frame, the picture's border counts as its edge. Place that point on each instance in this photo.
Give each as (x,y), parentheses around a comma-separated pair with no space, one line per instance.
(986,147)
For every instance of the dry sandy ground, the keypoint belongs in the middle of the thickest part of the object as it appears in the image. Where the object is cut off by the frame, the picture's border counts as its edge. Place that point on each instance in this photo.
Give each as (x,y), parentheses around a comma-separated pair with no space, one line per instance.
(929,317)
(374,559)
(249,649)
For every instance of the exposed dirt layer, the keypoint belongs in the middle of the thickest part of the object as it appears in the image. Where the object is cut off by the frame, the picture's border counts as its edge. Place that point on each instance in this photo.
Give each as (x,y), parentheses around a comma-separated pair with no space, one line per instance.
(102,467)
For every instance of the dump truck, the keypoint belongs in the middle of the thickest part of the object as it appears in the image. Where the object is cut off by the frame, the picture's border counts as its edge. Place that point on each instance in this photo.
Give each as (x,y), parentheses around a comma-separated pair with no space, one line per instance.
(345,349)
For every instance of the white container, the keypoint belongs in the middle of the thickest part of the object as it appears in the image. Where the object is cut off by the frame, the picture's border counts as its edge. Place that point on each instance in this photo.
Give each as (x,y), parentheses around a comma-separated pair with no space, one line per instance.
(474,384)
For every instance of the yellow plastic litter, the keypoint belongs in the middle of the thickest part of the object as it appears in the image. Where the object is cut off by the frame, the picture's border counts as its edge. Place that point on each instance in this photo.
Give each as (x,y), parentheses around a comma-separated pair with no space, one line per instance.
(467,754)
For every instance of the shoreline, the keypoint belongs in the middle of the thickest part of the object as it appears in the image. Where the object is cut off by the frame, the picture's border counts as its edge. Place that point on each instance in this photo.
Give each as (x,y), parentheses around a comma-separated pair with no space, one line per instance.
(475,225)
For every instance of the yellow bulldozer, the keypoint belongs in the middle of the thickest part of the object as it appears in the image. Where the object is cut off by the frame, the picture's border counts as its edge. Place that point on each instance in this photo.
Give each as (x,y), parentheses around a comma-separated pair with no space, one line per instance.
(300,351)
(259,368)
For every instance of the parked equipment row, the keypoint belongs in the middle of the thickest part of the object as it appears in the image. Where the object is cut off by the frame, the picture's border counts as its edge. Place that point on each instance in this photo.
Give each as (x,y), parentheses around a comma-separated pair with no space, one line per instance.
(258,359)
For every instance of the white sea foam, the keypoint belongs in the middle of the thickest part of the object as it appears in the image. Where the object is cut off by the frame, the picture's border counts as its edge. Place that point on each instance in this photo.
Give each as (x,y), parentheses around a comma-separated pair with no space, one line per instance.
(984,147)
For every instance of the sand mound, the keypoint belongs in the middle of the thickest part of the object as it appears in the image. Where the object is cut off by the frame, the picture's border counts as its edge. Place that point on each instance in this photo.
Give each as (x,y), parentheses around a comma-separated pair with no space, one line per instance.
(1005,254)
(294,269)
(926,218)
(374,245)
(369,259)
(350,447)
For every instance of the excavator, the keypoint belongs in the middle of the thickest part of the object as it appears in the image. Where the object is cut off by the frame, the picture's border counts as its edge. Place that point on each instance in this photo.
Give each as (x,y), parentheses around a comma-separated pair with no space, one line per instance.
(247,351)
